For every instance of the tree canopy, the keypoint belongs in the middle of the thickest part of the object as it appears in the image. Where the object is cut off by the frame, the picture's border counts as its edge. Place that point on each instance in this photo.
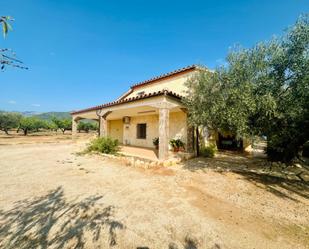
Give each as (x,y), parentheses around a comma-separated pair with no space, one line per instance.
(87,126)
(7,56)
(263,90)
(5,22)
(63,124)
(9,121)
(28,124)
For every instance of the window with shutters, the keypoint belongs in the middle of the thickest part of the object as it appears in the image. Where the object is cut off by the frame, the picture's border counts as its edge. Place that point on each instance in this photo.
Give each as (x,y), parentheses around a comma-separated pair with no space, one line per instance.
(141,131)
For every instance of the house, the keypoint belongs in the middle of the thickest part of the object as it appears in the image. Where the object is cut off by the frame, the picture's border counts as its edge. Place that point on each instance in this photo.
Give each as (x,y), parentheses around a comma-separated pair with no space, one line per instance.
(148,110)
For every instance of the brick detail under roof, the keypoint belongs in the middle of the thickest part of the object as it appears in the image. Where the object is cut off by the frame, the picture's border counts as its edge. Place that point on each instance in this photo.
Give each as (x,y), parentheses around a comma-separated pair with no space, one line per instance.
(123,101)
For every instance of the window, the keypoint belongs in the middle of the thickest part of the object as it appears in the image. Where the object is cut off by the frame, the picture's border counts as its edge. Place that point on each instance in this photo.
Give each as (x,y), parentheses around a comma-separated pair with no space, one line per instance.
(141,131)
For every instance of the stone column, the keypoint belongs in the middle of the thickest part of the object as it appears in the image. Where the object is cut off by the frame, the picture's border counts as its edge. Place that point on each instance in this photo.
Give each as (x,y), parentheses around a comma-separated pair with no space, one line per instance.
(163,133)
(103,126)
(74,125)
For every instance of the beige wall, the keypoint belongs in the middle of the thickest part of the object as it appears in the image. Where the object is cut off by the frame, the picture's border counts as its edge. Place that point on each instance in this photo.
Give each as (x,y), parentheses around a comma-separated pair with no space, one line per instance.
(175,84)
(177,129)
(178,126)
(151,130)
(115,129)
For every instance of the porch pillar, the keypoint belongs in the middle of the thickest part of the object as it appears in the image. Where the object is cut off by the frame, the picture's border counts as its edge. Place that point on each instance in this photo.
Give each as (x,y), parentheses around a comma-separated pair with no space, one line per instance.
(74,126)
(163,132)
(102,115)
(103,126)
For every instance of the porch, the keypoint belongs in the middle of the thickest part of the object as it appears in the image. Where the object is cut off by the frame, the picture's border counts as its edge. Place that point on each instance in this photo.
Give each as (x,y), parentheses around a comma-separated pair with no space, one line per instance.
(136,122)
(140,152)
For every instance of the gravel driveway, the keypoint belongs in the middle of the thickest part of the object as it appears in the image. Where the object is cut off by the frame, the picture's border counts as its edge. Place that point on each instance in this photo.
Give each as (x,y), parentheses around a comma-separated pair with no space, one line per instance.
(53,198)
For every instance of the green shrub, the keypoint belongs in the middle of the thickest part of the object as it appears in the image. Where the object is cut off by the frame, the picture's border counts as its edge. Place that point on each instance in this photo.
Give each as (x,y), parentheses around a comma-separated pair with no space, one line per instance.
(105,145)
(177,143)
(155,142)
(208,151)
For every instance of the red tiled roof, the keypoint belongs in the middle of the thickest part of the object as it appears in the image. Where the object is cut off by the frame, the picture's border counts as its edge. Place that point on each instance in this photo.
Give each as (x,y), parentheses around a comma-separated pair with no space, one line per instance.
(123,98)
(162,76)
(122,101)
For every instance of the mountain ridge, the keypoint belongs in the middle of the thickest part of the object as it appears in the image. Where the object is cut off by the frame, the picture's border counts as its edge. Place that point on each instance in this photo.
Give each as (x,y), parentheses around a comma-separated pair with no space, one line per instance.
(43,115)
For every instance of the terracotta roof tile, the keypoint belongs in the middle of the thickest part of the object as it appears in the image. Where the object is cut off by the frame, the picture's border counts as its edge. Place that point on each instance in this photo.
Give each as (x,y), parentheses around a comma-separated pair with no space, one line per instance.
(162,76)
(123,98)
(122,101)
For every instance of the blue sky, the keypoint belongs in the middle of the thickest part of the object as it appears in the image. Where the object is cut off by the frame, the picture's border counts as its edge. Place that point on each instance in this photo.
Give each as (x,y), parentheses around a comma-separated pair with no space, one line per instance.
(85,52)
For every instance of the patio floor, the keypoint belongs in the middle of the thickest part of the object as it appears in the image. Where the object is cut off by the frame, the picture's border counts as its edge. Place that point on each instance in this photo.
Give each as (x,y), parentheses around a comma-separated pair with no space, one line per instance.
(146,153)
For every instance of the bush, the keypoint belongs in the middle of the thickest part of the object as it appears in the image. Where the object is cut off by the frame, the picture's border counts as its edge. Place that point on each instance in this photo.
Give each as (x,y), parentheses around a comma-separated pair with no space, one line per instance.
(177,144)
(105,145)
(208,151)
(155,142)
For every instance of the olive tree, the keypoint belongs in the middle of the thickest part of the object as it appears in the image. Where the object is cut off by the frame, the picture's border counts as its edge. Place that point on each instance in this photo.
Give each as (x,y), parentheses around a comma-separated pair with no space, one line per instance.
(263,90)
(63,124)
(28,124)
(87,126)
(9,121)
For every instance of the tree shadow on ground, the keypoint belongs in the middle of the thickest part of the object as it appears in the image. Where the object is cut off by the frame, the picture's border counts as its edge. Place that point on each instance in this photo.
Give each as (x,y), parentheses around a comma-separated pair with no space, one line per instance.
(252,170)
(53,221)
(188,243)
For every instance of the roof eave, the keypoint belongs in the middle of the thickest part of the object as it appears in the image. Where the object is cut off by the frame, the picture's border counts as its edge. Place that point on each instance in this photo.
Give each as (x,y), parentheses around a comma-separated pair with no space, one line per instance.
(132,99)
(167,75)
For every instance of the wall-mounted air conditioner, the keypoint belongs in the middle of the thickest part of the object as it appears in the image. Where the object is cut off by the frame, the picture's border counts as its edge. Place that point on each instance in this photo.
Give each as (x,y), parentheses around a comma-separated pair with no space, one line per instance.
(126,120)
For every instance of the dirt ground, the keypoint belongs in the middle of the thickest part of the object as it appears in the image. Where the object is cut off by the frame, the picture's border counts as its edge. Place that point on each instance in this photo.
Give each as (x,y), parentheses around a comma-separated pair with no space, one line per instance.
(52,197)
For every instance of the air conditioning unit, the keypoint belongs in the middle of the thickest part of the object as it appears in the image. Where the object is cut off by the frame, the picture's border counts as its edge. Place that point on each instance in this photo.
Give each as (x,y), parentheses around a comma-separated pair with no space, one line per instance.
(126,120)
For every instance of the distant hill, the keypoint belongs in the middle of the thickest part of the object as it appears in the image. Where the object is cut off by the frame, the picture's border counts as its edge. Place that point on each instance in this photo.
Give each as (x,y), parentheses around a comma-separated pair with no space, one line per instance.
(30,113)
(50,115)
(44,115)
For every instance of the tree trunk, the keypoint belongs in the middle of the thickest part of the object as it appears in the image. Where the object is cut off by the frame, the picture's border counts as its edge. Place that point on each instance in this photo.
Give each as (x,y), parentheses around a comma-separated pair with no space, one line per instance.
(6,131)
(197,142)
(25,132)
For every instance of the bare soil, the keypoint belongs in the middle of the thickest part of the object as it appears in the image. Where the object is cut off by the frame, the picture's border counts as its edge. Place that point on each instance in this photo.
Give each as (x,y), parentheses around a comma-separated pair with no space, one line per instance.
(52,197)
